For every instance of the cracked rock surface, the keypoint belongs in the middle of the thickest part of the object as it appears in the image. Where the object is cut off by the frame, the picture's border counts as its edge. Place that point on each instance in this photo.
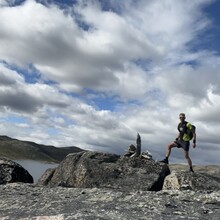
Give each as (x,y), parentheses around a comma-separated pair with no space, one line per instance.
(28,201)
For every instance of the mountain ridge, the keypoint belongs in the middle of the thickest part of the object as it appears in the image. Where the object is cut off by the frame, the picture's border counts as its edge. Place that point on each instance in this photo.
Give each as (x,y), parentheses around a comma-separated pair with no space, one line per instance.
(15,149)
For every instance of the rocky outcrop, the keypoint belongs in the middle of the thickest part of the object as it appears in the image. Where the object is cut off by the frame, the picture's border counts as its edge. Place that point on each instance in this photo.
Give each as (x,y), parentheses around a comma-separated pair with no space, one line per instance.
(182,180)
(102,170)
(30,202)
(107,186)
(11,172)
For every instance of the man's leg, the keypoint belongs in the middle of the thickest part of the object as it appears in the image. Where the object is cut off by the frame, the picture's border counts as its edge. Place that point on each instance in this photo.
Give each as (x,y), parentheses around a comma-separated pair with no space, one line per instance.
(168,152)
(188,160)
(169,148)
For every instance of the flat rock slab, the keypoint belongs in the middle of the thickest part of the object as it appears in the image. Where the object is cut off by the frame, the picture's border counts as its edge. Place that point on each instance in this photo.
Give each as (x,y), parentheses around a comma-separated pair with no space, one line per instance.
(31,202)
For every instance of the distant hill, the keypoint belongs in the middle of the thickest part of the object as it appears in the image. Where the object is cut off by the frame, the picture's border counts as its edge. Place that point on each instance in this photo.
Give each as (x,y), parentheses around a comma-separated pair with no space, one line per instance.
(25,150)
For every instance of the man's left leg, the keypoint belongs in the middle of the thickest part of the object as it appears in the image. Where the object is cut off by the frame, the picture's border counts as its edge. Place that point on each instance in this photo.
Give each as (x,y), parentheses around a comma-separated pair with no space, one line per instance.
(188,160)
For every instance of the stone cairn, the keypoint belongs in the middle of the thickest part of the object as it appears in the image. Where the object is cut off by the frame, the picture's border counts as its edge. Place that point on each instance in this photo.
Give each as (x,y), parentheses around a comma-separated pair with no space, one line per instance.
(136,151)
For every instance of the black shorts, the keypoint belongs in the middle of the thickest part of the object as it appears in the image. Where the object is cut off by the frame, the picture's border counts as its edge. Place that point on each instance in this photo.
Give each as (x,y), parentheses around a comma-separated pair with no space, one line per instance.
(182,144)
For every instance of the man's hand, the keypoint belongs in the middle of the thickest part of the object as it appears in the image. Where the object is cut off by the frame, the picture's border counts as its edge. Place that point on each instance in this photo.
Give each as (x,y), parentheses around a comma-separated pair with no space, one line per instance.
(194,143)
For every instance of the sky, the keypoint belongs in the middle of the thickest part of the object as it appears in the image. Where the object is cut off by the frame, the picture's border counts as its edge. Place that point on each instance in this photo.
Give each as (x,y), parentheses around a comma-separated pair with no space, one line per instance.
(94,73)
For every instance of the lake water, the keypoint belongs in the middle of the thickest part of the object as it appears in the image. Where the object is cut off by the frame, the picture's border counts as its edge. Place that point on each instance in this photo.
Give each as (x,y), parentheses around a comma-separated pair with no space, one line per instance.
(36,169)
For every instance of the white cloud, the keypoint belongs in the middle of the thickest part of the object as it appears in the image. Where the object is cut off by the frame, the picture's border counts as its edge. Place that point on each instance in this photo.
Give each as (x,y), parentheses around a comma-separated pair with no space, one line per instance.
(65,53)
(208,110)
(3,2)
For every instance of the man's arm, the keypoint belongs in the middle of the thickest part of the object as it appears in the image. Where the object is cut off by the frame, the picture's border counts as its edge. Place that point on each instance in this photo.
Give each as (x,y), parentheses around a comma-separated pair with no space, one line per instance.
(178,137)
(194,138)
(194,133)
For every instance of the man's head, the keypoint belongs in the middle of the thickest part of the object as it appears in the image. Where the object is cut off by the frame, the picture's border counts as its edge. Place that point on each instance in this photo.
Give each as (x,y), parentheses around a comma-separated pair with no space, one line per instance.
(182,117)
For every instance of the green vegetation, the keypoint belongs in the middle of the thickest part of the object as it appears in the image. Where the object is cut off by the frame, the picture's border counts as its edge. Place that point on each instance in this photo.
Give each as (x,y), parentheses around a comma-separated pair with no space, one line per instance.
(25,150)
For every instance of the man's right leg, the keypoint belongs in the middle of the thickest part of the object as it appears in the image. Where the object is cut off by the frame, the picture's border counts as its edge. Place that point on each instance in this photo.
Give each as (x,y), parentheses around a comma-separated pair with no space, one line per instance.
(168,152)
(169,147)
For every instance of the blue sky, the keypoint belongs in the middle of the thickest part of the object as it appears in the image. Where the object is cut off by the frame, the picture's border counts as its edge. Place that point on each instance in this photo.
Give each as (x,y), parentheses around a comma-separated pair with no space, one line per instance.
(95,73)
(214,31)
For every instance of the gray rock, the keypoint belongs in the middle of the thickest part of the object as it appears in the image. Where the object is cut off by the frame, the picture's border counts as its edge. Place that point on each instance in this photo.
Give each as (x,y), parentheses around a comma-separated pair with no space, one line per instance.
(11,172)
(31,202)
(102,170)
(181,180)
(46,177)
(146,155)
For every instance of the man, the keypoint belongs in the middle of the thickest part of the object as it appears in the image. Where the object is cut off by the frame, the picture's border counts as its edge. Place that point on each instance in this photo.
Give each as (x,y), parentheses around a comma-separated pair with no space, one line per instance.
(183,140)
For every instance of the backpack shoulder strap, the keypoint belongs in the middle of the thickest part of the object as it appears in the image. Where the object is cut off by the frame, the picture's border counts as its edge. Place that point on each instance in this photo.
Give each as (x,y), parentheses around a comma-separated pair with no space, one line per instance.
(193,127)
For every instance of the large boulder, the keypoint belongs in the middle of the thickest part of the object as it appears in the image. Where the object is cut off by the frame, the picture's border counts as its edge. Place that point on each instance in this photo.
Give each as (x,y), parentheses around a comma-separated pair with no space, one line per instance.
(182,180)
(11,172)
(103,170)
